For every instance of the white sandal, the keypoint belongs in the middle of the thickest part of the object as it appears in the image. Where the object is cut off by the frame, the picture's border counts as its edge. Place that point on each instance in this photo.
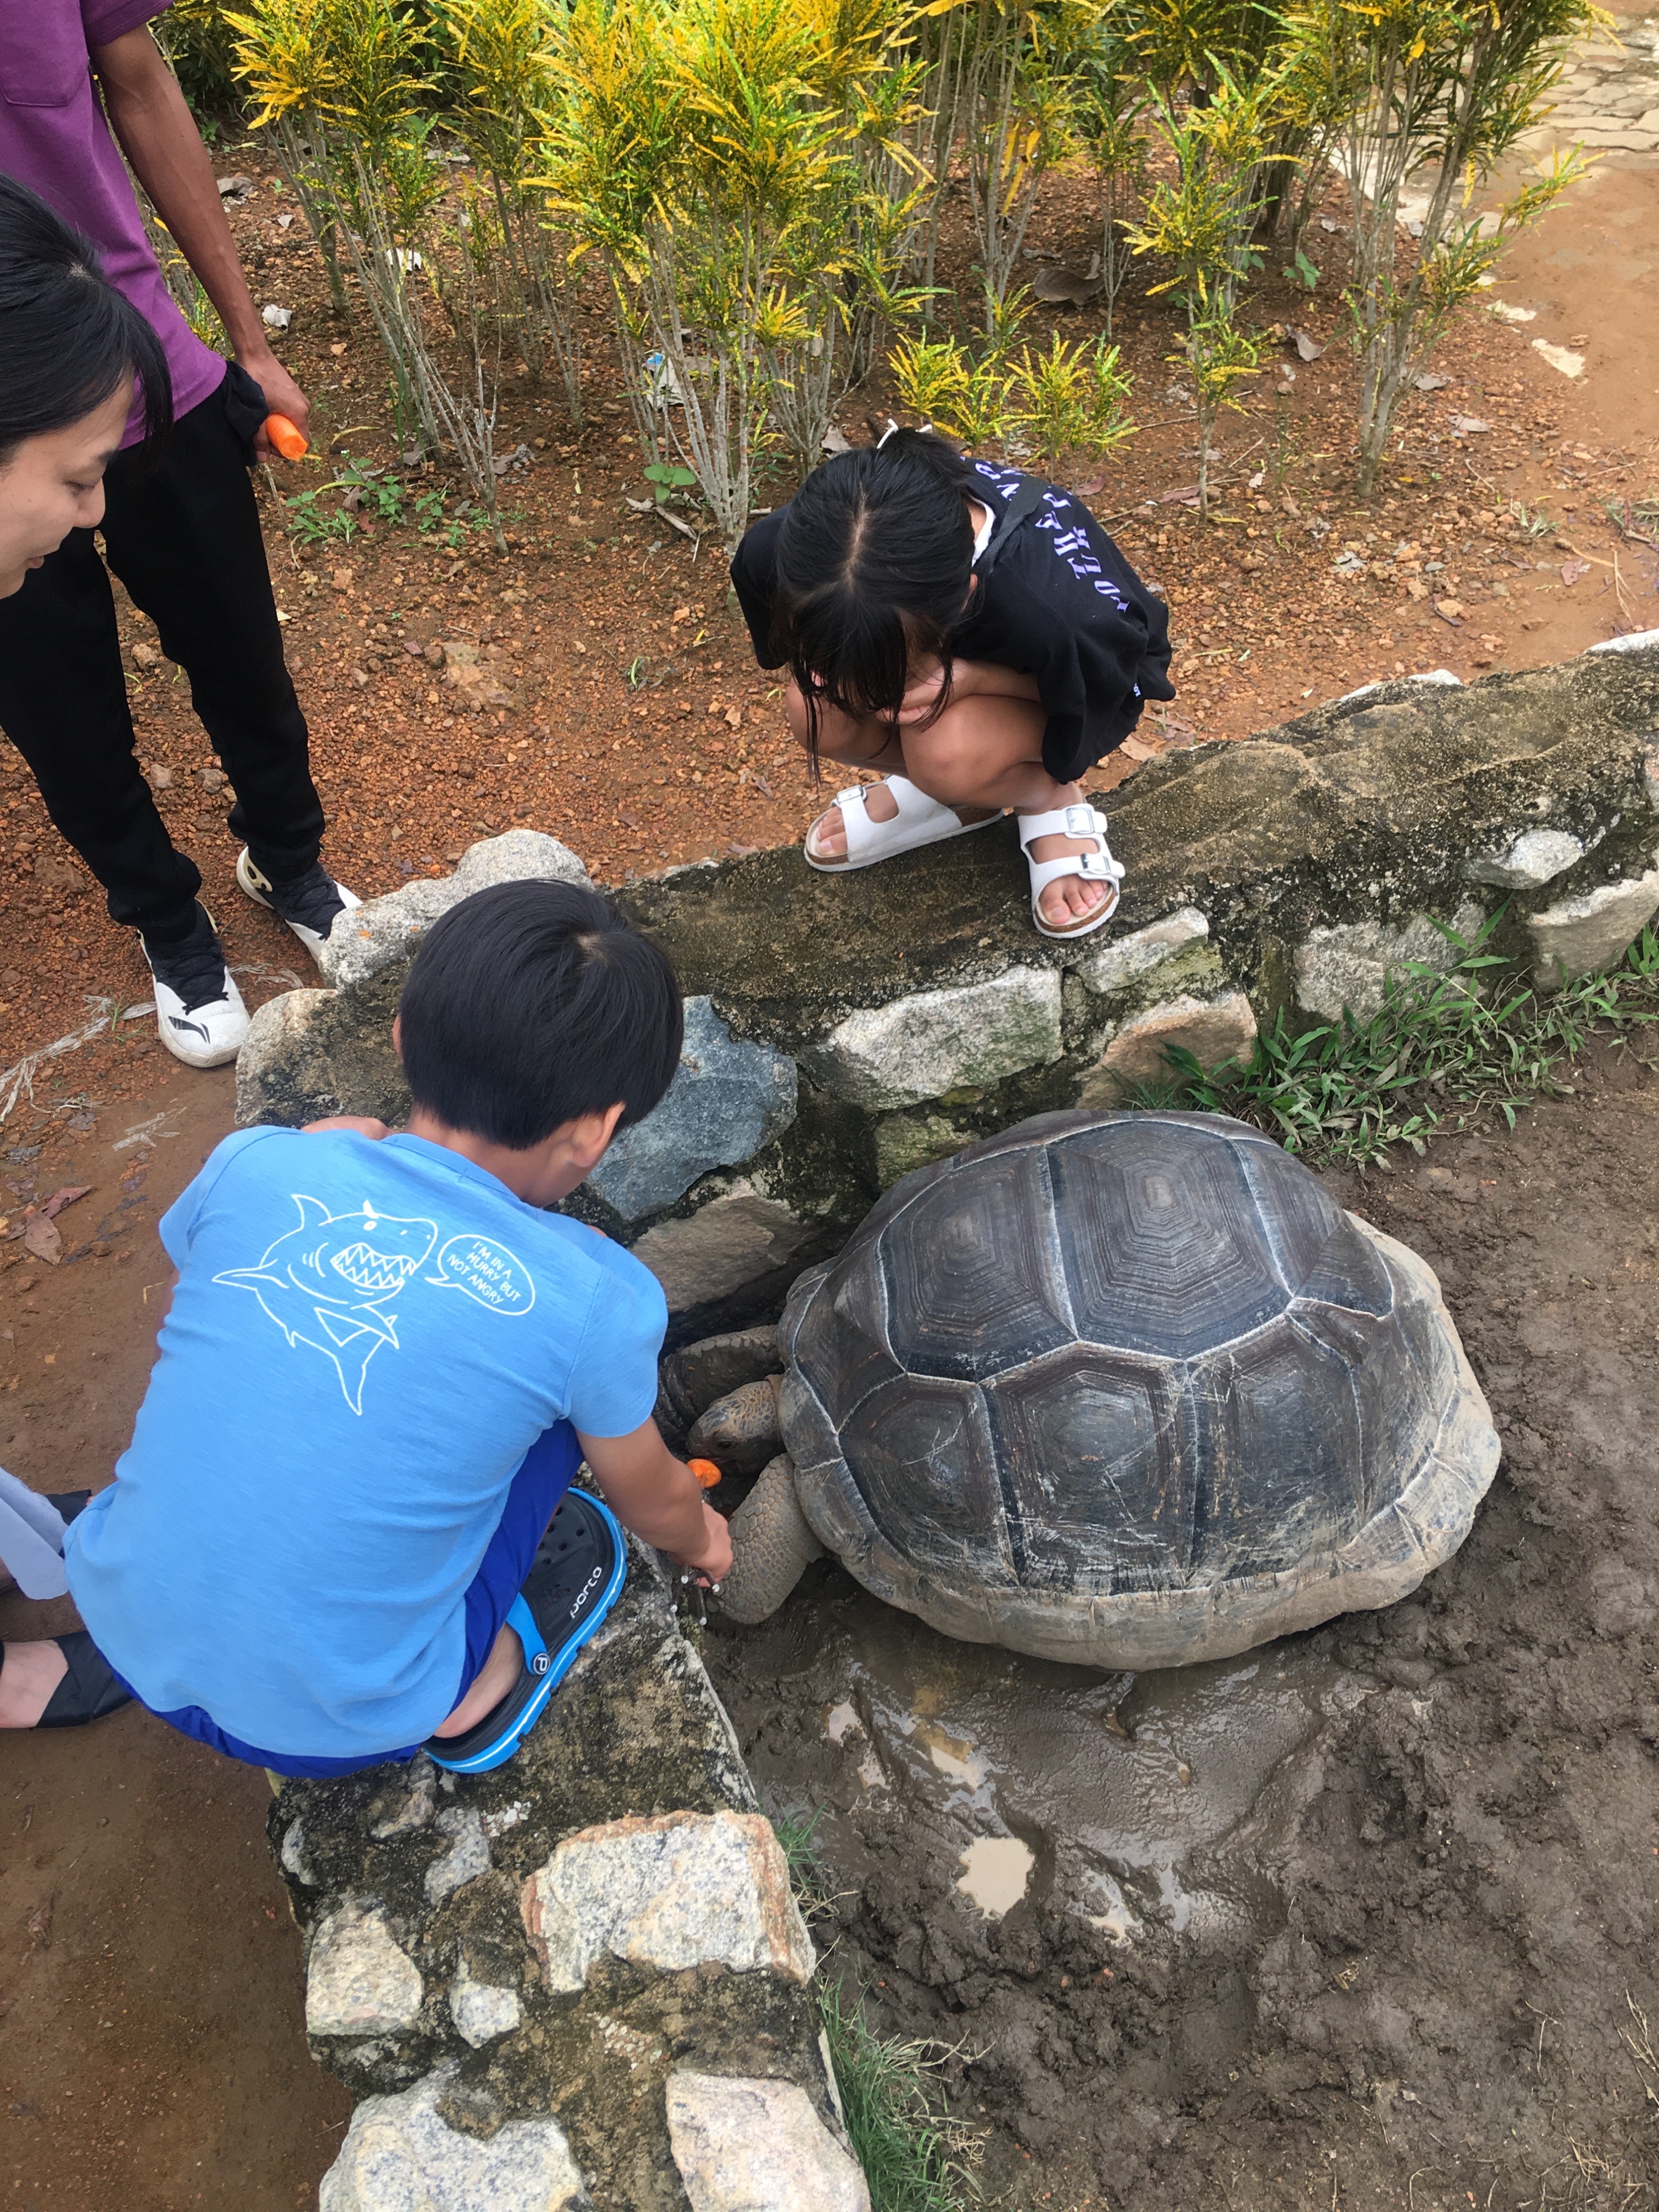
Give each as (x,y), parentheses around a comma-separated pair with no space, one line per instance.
(1096,868)
(920,821)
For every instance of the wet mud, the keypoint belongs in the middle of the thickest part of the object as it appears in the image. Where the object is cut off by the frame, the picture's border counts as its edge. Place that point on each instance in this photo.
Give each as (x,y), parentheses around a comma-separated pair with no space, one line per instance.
(1364,1918)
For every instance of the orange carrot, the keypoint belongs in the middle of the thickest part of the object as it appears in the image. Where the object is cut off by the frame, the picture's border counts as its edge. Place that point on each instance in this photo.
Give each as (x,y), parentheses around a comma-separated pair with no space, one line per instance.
(706,1472)
(288,442)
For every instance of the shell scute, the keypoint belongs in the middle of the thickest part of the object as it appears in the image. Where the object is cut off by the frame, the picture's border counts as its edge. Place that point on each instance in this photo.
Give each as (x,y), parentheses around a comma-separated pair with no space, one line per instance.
(972,1275)
(1162,1240)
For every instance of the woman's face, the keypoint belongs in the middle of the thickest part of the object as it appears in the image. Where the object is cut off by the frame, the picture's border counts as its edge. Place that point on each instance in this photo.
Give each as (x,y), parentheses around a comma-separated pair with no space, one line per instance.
(54,483)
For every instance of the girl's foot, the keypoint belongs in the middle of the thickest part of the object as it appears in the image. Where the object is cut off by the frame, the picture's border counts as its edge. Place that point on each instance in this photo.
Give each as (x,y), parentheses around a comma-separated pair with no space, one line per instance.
(872,822)
(1074,877)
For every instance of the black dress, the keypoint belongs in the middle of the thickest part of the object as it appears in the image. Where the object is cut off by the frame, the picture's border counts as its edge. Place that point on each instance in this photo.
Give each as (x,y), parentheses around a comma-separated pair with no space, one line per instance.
(1057,600)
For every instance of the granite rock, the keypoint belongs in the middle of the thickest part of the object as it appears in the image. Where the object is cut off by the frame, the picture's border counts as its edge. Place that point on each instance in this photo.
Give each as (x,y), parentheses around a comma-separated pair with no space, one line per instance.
(757,2146)
(1123,960)
(1350,965)
(728,1100)
(1580,936)
(1535,857)
(466,1858)
(1638,641)
(482,2011)
(1211,1030)
(736,1240)
(920,1048)
(385,929)
(400,2155)
(671,1891)
(359,1981)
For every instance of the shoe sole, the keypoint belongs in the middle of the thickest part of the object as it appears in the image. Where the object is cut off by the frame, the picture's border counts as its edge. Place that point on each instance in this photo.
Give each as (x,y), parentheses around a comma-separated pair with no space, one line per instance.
(898,851)
(503,1742)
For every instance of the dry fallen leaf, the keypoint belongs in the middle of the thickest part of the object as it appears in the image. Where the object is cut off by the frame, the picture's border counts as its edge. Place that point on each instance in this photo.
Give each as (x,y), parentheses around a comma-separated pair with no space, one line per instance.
(41,1236)
(1138,749)
(66,1196)
(1572,570)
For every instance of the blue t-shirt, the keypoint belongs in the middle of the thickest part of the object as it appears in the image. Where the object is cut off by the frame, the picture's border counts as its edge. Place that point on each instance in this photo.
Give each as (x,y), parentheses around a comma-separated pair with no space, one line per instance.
(366,1339)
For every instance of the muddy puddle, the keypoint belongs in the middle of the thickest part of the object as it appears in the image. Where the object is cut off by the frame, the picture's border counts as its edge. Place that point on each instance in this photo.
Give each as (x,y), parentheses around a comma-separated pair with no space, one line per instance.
(1127,1802)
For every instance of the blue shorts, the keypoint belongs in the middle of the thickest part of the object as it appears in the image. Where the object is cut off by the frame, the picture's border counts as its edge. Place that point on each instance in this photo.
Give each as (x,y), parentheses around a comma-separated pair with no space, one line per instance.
(545,1473)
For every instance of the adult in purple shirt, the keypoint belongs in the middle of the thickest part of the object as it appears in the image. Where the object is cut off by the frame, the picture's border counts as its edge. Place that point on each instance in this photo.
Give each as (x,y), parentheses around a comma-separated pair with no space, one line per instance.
(76,76)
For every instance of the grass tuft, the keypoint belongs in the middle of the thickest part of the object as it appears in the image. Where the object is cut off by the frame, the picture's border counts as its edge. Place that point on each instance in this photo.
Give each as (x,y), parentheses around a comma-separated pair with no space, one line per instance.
(1475,1036)
(916,2157)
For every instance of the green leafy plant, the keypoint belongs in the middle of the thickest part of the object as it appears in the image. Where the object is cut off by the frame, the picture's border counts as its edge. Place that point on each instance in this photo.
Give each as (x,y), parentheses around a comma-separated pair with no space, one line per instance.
(666,477)
(1449,86)
(1071,400)
(1476,1036)
(499,55)
(691,149)
(1304,271)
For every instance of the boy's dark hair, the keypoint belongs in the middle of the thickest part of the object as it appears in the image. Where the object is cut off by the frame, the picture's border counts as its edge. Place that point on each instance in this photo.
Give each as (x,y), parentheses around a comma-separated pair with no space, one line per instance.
(874,558)
(529,1004)
(67,336)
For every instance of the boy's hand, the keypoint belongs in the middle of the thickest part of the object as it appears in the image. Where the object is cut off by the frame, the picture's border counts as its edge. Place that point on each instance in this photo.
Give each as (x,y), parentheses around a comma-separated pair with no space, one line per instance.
(711,1562)
(364,1124)
(659,1497)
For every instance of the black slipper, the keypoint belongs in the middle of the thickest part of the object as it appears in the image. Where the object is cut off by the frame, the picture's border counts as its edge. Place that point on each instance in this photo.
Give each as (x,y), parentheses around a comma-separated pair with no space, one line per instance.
(71,1503)
(575,1579)
(88,1690)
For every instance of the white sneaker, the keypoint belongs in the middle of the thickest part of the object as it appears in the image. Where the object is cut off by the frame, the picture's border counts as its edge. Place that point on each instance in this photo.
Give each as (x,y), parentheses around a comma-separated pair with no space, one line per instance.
(200,1014)
(310,905)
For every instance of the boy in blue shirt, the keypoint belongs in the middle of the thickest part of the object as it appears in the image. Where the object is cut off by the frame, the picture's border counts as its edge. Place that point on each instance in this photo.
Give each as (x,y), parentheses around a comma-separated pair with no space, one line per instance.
(334,1536)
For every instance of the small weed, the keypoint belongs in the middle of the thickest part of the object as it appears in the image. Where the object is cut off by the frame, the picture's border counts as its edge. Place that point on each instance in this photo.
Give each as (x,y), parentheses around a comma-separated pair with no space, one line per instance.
(800,1855)
(1302,271)
(916,2156)
(1471,1037)
(666,477)
(311,526)
(1532,520)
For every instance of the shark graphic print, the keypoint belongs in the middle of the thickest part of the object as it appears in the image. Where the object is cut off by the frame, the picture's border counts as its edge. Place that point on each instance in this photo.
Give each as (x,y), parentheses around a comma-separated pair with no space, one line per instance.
(332,1283)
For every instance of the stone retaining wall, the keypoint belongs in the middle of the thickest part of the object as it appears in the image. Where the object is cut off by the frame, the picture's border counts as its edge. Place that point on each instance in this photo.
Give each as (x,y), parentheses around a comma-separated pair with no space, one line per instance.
(841,1032)
(580,1981)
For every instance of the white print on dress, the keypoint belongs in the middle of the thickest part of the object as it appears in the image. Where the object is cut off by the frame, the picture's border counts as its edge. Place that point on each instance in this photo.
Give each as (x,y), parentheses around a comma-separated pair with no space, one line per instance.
(331,1283)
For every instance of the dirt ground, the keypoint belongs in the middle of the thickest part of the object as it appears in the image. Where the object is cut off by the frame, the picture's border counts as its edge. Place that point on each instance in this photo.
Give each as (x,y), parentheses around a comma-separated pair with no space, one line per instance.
(152,2048)
(626,713)
(1365,1919)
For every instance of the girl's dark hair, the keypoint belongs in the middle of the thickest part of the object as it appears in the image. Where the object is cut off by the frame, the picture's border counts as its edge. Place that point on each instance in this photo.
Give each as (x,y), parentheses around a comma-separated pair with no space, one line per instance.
(875,555)
(67,336)
(531,1003)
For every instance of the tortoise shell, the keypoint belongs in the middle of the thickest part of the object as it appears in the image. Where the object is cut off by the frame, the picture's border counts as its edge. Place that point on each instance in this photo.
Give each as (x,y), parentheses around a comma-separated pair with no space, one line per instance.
(1130,1389)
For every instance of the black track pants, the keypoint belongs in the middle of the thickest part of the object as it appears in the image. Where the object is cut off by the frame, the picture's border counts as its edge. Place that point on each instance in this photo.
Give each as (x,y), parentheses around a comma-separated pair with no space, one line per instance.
(184,540)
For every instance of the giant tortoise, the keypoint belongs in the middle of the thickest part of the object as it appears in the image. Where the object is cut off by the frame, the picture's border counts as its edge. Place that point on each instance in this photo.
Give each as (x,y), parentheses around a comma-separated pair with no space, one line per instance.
(1129,1390)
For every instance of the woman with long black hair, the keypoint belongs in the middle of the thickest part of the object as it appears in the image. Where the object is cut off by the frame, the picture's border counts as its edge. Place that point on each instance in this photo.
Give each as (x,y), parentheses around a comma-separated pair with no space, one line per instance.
(75,355)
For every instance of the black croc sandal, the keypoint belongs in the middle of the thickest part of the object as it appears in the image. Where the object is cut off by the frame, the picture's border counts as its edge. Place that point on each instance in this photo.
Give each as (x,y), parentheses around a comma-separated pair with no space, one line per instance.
(88,1690)
(71,1503)
(576,1577)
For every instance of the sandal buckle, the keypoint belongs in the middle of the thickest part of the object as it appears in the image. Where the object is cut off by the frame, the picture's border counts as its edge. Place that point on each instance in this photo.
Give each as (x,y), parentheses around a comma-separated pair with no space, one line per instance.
(1080,821)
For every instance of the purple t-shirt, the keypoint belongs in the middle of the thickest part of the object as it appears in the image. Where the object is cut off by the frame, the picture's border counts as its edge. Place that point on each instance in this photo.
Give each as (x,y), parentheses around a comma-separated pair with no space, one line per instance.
(54,138)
